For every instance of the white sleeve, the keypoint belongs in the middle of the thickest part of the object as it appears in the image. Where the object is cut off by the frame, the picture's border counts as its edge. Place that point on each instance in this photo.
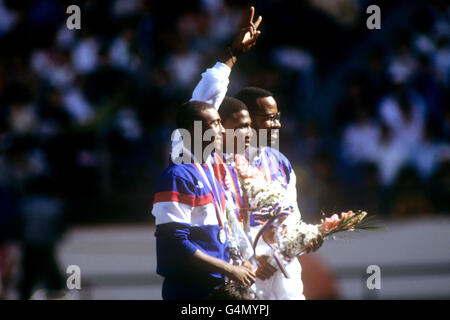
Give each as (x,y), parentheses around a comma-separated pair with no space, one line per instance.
(213,86)
(172,211)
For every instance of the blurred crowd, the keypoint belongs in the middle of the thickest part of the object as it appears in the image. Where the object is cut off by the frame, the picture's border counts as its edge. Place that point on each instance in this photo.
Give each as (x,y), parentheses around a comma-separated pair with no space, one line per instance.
(394,118)
(86,115)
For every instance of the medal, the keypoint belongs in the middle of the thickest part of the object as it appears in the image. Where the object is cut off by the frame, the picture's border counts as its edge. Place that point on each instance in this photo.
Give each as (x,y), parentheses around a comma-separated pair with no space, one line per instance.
(222,236)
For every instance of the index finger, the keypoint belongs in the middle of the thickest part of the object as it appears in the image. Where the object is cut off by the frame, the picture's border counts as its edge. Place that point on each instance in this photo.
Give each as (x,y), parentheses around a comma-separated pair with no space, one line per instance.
(252,13)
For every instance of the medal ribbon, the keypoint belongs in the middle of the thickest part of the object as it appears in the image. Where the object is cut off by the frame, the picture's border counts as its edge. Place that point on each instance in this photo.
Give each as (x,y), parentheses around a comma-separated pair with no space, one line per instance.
(265,163)
(270,215)
(215,192)
(234,188)
(280,265)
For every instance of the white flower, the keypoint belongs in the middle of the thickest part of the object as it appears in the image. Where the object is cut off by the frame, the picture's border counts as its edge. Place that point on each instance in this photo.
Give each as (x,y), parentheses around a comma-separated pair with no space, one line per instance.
(295,236)
(263,194)
(292,234)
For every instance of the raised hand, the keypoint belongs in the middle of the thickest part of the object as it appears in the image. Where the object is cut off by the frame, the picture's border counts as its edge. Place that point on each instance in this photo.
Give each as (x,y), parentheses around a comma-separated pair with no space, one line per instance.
(246,38)
(244,41)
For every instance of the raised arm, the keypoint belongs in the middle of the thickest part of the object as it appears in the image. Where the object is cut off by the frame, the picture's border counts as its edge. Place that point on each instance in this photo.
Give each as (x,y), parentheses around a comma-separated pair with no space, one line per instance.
(213,86)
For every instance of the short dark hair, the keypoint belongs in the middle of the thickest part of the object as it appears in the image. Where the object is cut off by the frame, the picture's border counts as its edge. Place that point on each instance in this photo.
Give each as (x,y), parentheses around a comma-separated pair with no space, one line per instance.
(229,106)
(190,112)
(249,95)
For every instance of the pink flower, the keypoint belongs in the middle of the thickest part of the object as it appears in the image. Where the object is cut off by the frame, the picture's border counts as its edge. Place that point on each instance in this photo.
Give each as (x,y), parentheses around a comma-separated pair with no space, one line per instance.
(345,215)
(349,214)
(245,169)
(335,223)
(330,223)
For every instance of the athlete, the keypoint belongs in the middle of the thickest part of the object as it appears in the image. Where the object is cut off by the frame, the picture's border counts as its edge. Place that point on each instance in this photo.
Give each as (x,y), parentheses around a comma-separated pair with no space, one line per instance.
(191,235)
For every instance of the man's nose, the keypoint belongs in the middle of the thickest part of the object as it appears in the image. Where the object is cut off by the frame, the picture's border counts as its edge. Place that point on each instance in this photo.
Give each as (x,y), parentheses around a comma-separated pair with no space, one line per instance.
(222,129)
(276,124)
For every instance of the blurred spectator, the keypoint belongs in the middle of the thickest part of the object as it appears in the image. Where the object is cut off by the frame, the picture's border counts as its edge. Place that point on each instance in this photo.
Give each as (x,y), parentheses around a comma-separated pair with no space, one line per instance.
(404,113)
(427,85)
(84,55)
(429,154)
(42,224)
(390,156)
(355,97)
(76,103)
(182,64)
(54,66)
(122,51)
(37,215)
(8,18)
(403,64)
(224,20)
(125,8)
(442,60)
(23,118)
(300,64)
(106,82)
(360,138)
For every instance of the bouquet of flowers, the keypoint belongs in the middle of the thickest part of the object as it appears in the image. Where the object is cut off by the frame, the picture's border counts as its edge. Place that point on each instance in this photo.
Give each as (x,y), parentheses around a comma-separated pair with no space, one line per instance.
(292,234)
(292,238)
(259,192)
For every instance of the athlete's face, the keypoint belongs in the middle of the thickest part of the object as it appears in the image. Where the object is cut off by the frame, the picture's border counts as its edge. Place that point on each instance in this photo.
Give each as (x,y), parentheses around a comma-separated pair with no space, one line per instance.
(267,117)
(211,120)
(240,122)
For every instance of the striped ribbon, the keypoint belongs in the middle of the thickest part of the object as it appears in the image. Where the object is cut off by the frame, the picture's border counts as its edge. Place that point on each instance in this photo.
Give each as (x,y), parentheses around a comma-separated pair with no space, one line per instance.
(229,182)
(269,216)
(279,264)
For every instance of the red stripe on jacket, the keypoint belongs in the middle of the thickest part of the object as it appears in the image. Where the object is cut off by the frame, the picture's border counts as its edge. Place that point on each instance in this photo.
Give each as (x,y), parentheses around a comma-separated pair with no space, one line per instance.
(187,199)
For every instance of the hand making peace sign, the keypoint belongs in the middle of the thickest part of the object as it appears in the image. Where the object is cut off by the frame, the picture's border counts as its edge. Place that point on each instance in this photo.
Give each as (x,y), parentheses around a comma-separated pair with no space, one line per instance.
(246,38)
